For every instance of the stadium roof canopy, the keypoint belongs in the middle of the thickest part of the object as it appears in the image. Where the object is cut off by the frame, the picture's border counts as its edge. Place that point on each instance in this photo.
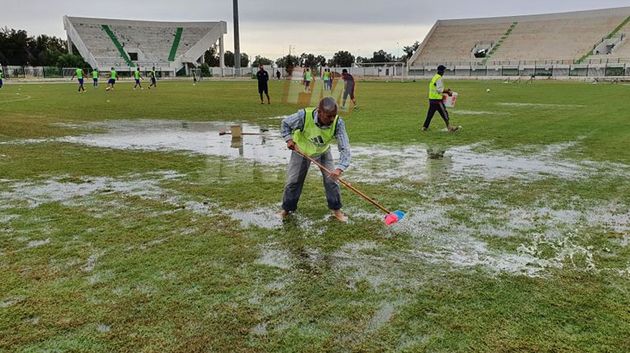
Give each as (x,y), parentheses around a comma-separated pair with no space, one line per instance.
(125,44)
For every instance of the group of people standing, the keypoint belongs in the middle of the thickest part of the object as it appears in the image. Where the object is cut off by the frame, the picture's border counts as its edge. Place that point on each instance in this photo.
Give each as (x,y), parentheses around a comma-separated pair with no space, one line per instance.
(113,76)
(262,76)
(327,78)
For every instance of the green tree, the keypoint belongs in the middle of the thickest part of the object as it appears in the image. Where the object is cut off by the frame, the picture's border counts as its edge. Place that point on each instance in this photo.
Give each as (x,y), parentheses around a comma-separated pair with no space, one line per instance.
(205,70)
(411,49)
(342,58)
(381,56)
(71,60)
(288,62)
(211,57)
(260,60)
(311,60)
(13,44)
(229,59)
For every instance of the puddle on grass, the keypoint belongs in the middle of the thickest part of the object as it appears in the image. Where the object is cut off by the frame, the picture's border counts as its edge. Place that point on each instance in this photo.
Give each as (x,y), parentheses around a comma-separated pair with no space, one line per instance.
(196,137)
(9,302)
(102,328)
(262,218)
(370,163)
(381,316)
(273,257)
(37,243)
(67,191)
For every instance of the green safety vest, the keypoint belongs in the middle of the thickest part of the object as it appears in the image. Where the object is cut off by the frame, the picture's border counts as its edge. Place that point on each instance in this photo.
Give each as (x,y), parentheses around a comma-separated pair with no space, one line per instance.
(136,74)
(313,140)
(308,76)
(94,74)
(433,92)
(114,74)
(79,73)
(326,76)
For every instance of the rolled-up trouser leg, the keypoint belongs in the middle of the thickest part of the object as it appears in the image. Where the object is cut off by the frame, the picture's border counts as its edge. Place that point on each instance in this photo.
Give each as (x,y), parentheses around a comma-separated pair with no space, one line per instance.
(333,192)
(296,174)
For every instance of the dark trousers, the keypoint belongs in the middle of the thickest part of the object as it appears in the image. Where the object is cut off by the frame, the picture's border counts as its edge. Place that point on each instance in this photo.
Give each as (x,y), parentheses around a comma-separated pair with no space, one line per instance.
(436,106)
(263,88)
(296,174)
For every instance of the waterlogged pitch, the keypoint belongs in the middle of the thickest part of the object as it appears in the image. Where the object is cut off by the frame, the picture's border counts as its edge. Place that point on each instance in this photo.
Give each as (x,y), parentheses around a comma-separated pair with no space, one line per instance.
(128,224)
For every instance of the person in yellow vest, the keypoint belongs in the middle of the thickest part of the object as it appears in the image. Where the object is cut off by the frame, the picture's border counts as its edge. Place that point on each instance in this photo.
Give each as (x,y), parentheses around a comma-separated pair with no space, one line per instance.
(137,77)
(95,77)
(308,77)
(79,74)
(327,78)
(113,75)
(436,97)
(312,131)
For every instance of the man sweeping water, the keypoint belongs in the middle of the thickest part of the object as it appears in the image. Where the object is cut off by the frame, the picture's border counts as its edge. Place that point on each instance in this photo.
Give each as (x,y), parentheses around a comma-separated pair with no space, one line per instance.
(311,131)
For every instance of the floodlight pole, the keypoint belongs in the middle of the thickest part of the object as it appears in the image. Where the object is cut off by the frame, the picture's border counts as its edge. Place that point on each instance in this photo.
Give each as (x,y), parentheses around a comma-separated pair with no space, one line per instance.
(237,41)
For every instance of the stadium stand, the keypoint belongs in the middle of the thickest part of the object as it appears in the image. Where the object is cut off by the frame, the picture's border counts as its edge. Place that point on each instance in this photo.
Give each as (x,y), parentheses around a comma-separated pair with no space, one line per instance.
(123,44)
(567,38)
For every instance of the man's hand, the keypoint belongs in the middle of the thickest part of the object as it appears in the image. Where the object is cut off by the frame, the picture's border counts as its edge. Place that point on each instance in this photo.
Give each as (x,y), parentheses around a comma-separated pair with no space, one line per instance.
(291,145)
(335,175)
(449,92)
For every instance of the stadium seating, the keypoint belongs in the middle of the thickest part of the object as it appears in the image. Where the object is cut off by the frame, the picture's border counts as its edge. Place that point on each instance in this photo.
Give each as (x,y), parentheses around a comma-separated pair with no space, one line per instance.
(566,37)
(125,44)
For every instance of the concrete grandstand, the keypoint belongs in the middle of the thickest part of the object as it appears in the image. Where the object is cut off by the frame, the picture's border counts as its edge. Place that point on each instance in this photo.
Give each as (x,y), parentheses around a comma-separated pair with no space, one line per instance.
(574,38)
(124,44)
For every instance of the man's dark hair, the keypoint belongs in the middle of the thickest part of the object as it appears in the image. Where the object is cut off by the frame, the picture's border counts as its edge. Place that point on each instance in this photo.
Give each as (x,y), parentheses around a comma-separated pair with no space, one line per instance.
(441,68)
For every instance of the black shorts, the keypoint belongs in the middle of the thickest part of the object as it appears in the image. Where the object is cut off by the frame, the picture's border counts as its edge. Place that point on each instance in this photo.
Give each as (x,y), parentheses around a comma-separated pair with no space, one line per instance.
(263,89)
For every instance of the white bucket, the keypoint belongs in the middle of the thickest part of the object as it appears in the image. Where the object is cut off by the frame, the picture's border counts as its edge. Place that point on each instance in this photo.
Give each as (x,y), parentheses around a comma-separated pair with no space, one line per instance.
(449,101)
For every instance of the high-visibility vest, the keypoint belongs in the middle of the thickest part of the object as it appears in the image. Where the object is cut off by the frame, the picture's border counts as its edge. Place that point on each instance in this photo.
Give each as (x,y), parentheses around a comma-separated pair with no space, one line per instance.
(79,73)
(113,74)
(433,92)
(136,74)
(94,74)
(313,140)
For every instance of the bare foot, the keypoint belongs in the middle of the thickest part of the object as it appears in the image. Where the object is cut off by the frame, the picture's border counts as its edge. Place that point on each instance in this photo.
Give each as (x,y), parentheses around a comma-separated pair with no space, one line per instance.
(283,214)
(340,216)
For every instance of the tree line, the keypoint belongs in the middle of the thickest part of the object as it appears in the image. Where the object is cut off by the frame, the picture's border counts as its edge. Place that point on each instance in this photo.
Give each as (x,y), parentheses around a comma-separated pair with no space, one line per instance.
(18,48)
(341,58)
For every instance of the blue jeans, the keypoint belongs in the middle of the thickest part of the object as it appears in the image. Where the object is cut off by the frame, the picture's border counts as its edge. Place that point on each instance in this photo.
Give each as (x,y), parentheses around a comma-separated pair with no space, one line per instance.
(296,174)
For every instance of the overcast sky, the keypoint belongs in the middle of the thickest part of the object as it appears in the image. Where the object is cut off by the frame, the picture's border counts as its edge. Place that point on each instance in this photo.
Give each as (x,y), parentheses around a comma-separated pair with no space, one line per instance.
(268,28)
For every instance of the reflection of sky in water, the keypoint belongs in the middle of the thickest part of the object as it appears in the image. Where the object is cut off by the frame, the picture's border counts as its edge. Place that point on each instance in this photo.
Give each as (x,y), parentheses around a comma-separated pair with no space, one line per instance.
(197,137)
(370,163)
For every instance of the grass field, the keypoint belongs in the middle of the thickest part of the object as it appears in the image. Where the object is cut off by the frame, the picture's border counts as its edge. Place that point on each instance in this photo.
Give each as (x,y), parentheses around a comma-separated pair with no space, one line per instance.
(128,225)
